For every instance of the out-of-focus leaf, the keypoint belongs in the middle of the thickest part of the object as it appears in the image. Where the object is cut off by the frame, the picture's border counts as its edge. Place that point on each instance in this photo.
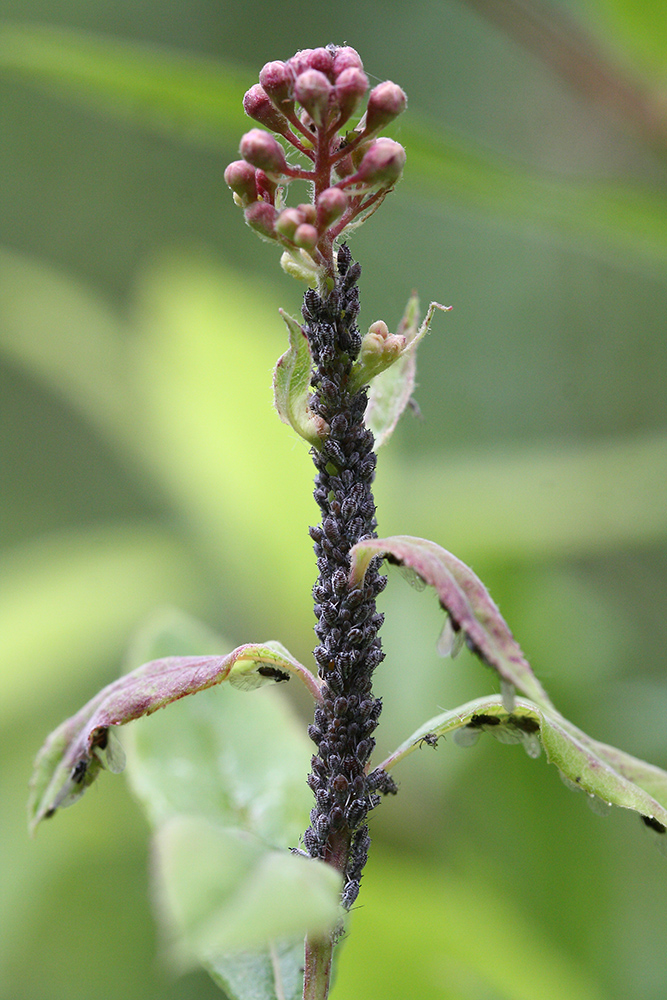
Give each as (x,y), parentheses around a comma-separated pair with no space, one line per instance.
(614,220)
(237,763)
(534,502)
(175,92)
(224,891)
(190,97)
(603,772)
(74,753)
(465,600)
(640,29)
(428,930)
(87,590)
(212,436)
(66,337)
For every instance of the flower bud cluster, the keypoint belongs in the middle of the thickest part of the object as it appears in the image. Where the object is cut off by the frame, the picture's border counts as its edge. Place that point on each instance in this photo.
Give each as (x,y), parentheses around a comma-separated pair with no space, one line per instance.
(306,101)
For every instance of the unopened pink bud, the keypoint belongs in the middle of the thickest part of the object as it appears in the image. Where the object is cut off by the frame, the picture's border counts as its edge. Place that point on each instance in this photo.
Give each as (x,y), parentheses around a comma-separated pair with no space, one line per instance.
(346,58)
(385,102)
(321,60)
(300,62)
(261,217)
(312,90)
(351,85)
(306,237)
(240,177)
(330,206)
(383,163)
(288,222)
(344,167)
(277,79)
(308,212)
(257,105)
(263,151)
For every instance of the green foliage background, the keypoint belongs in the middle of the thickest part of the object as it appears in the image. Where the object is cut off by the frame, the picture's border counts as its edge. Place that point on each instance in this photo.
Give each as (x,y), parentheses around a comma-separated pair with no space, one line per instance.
(142,466)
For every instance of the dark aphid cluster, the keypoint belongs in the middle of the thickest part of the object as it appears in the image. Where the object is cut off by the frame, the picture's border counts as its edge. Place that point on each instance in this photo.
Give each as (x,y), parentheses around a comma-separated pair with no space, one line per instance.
(349,647)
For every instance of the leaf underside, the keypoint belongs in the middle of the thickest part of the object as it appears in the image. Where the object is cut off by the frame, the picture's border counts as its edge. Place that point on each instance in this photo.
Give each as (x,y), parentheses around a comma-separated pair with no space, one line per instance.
(465,600)
(608,775)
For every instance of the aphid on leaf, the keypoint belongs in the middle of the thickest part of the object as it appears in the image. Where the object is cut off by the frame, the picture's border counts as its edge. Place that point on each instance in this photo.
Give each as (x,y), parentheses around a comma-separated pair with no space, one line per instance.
(524,722)
(273,673)
(478,721)
(79,771)
(654,824)
(431,740)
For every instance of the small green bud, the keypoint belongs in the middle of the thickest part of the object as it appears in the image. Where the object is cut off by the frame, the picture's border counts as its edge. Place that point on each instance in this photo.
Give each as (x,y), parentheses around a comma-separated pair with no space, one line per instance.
(379,350)
(300,265)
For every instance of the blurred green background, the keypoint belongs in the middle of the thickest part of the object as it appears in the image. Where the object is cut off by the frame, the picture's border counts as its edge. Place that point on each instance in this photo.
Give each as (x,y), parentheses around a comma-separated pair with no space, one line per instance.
(142,465)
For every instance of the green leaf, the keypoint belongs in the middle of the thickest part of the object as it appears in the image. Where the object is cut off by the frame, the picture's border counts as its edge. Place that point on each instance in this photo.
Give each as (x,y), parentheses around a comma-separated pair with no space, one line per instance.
(603,772)
(463,596)
(233,767)
(224,891)
(291,386)
(391,389)
(80,747)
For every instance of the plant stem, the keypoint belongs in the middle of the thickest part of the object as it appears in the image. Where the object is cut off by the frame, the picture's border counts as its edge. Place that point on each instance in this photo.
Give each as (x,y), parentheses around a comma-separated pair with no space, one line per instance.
(317,972)
(348,621)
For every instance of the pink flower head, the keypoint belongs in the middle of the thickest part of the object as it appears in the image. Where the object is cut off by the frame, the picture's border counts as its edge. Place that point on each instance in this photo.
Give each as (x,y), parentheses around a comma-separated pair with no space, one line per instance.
(307,101)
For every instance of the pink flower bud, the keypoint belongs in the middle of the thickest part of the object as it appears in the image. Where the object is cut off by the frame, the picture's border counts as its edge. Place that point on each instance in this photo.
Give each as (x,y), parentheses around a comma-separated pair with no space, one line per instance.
(257,105)
(288,222)
(346,58)
(344,167)
(313,91)
(322,60)
(300,62)
(261,217)
(383,163)
(308,212)
(385,102)
(330,206)
(263,151)
(306,237)
(277,79)
(351,85)
(240,177)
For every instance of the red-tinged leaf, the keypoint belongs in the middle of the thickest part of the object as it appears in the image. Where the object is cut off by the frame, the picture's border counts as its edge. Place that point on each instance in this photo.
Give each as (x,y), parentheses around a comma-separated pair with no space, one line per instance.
(466,601)
(77,750)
